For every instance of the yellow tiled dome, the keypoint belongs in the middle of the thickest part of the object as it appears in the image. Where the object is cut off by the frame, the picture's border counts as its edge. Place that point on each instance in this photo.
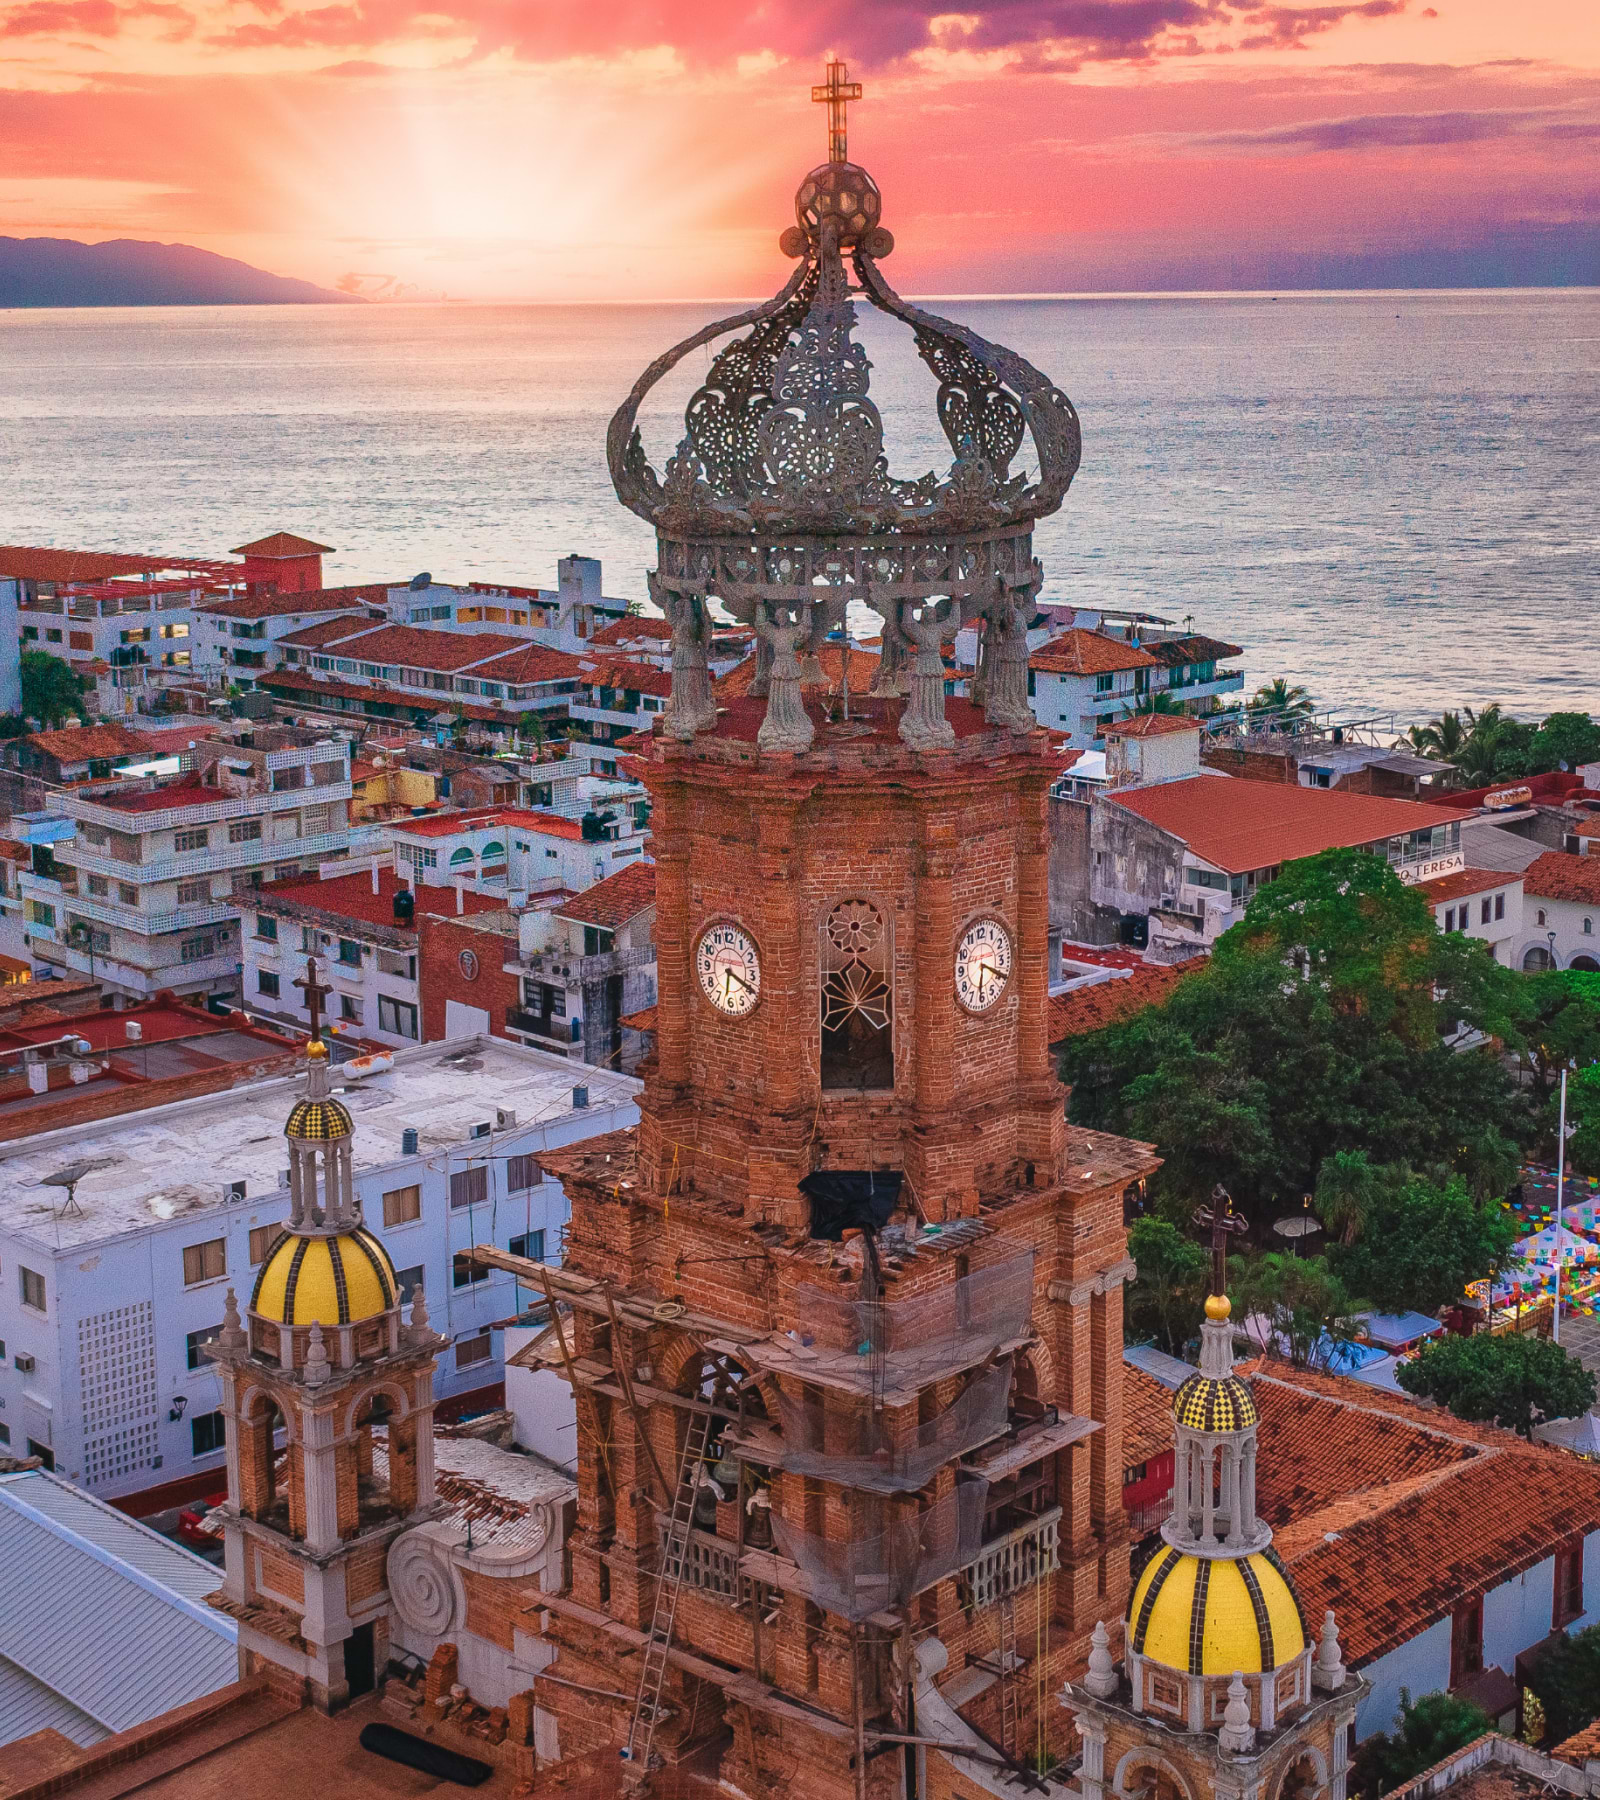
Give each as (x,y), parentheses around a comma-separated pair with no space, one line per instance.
(319,1121)
(1215,1403)
(1215,1616)
(325,1280)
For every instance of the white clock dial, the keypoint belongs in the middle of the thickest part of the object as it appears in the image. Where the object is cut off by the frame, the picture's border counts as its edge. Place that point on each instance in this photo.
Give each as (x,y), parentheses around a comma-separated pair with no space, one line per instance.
(983,964)
(729,968)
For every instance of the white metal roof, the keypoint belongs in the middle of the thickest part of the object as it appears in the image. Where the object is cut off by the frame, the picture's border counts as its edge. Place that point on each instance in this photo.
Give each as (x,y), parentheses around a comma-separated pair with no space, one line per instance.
(104,1621)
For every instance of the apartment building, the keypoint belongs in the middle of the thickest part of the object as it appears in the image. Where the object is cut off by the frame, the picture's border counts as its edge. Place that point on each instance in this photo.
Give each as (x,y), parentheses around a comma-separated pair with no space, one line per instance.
(238,637)
(617,697)
(109,1290)
(566,617)
(518,853)
(144,893)
(1081,681)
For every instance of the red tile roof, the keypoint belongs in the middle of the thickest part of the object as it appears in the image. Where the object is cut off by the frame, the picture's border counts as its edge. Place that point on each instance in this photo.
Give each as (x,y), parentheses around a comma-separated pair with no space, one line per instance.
(173,740)
(480,818)
(182,790)
(1173,652)
(631,677)
(282,606)
(529,666)
(1146,1416)
(282,543)
(328,631)
(1244,825)
(1143,725)
(442,652)
(1464,883)
(643,1020)
(1087,1009)
(85,743)
(351,897)
(863,672)
(21,562)
(634,628)
(611,903)
(1559,876)
(1080,652)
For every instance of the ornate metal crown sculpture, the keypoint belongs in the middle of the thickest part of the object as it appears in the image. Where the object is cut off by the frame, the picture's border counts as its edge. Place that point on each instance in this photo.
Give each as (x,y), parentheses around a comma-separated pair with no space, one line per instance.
(779,503)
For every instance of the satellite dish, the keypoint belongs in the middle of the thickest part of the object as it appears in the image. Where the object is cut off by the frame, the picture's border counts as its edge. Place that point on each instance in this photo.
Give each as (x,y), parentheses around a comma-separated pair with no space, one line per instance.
(418,583)
(69,1177)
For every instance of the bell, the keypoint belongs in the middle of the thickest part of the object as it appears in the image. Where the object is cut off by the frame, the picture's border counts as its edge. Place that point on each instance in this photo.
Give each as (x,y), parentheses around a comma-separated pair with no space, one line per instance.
(725,1472)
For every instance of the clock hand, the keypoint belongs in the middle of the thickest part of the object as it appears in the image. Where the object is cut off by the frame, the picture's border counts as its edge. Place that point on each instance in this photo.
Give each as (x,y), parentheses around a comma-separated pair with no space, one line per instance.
(741,981)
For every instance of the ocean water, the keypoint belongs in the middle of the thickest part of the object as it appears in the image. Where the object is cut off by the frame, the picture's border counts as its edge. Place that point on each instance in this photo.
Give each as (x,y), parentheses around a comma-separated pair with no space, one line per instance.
(1389,498)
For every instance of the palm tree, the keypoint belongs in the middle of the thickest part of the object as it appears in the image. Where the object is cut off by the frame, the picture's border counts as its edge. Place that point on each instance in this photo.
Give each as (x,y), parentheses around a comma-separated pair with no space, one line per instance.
(1440,738)
(1347,1187)
(1159,702)
(1482,747)
(1283,699)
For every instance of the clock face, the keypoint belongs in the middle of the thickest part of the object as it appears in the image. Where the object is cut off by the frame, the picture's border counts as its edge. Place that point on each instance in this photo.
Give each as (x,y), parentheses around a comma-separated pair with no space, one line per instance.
(729,968)
(983,964)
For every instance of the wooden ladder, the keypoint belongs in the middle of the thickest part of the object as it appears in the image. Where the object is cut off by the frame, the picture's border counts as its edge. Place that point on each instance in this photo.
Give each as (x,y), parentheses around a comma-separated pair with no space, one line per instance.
(1010,1727)
(669,1584)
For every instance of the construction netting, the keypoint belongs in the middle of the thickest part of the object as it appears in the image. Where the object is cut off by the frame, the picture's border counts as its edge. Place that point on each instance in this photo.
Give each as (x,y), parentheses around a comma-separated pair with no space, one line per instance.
(855,1450)
(915,1341)
(865,1573)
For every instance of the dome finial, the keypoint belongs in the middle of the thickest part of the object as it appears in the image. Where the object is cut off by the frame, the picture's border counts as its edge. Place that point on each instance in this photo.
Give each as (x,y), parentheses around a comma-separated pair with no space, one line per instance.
(835,93)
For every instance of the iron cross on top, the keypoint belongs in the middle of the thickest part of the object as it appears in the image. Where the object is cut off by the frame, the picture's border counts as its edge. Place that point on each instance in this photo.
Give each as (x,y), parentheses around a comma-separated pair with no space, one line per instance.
(834,93)
(315,994)
(1222,1222)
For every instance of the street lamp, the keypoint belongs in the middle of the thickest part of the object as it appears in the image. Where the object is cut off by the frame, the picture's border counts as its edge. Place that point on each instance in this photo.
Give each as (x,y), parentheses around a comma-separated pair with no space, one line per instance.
(1552,937)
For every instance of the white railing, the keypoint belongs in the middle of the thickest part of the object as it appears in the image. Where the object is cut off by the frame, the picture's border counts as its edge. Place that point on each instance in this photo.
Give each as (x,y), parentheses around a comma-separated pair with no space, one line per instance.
(175,818)
(1015,1561)
(257,853)
(711,1565)
(130,918)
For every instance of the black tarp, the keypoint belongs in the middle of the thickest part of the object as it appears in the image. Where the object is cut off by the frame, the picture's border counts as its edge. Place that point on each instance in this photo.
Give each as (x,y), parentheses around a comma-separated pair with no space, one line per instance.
(851,1200)
(429,1759)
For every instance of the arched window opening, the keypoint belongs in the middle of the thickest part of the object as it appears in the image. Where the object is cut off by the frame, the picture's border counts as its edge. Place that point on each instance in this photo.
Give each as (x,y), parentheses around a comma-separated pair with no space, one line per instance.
(857,999)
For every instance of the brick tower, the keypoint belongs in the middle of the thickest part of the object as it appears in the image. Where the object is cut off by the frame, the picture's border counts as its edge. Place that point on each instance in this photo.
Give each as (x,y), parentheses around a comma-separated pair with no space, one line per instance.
(845,1309)
(322,1356)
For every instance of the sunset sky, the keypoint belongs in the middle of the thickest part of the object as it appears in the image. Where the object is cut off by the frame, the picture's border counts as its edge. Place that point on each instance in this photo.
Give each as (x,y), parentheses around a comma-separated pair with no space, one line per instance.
(641,149)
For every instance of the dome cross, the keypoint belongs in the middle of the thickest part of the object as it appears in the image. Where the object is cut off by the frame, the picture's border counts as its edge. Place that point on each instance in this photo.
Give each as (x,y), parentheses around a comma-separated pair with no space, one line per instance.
(835,93)
(315,994)
(1222,1222)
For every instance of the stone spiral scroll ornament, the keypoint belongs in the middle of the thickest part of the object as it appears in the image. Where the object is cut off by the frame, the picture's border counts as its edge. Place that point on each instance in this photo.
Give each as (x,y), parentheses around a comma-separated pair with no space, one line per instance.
(779,507)
(422,1583)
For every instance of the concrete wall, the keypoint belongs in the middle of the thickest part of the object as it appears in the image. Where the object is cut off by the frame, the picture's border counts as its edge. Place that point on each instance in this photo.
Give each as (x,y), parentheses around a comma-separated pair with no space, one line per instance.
(1421,1666)
(544,1413)
(1134,865)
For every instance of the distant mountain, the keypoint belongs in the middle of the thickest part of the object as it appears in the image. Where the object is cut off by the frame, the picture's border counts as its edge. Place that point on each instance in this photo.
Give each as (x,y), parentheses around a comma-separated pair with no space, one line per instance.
(127,272)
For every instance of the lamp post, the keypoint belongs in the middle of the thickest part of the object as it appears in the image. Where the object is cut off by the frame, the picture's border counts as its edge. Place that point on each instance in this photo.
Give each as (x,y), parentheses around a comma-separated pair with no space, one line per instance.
(1552,938)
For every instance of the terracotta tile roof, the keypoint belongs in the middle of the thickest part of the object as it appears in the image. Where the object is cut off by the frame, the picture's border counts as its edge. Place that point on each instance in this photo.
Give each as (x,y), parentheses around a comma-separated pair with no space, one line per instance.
(611,903)
(1244,825)
(633,629)
(280,606)
(1080,652)
(644,1020)
(328,631)
(351,897)
(529,666)
(84,743)
(1583,1746)
(863,672)
(173,740)
(21,562)
(630,677)
(441,652)
(1092,1008)
(1173,652)
(1146,1416)
(282,543)
(1143,725)
(449,824)
(1463,884)
(1559,876)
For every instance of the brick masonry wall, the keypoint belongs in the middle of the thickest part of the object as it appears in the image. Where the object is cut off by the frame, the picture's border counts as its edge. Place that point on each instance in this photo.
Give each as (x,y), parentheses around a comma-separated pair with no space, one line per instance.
(441,978)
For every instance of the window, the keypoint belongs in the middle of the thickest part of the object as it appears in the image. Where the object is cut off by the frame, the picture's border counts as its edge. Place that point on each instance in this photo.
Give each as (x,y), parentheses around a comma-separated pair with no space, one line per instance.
(267,983)
(45,1454)
(196,1340)
(530,1245)
(396,963)
(856,1003)
(1568,1601)
(523,1172)
(1486,912)
(1466,1641)
(1499,906)
(32,1288)
(402,1205)
(208,1434)
(397,1016)
(407,1281)
(40,914)
(285,871)
(1538,917)
(99,887)
(5,1434)
(52,637)
(190,840)
(196,892)
(261,1237)
(1450,919)
(1102,683)
(470,1187)
(466,1273)
(474,1350)
(204,1262)
(1588,927)
(127,893)
(244,831)
(349,1010)
(1204,878)
(308,941)
(266,928)
(197,949)
(349,951)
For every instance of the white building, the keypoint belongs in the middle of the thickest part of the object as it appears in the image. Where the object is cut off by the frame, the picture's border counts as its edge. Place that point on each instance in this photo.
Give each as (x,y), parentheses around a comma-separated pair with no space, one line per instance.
(1479,903)
(1081,681)
(106,1300)
(237,638)
(519,853)
(565,617)
(145,895)
(1560,913)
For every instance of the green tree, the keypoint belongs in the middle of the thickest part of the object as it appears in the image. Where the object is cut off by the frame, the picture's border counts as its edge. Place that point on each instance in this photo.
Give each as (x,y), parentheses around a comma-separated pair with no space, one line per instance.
(1423,1243)
(1511,1381)
(1304,1303)
(1426,1732)
(1283,699)
(1496,747)
(51,692)
(1566,1678)
(1348,1187)
(1583,1120)
(1166,1299)
(1564,740)
(1562,1027)
(1441,738)
(1160,701)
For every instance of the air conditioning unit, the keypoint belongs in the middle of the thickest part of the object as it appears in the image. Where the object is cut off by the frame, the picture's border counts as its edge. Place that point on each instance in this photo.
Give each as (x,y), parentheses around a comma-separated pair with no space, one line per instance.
(503,1120)
(232,1190)
(481,1130)
(24,1362)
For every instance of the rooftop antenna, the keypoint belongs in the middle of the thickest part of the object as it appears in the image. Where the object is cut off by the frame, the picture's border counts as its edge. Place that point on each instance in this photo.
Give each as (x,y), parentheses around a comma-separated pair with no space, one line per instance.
(68,1178)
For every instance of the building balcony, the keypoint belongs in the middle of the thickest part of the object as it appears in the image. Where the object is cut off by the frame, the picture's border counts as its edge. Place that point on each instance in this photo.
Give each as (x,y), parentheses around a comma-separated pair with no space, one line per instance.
(1015,1561)
(548,1033)
(151,924)
(711,1567)
(258,853)
(207,812)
